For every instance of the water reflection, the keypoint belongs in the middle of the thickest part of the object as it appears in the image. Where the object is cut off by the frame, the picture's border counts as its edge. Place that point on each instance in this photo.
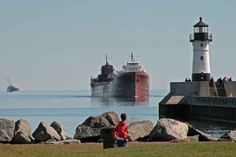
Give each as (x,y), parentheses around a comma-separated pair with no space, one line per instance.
(112,101)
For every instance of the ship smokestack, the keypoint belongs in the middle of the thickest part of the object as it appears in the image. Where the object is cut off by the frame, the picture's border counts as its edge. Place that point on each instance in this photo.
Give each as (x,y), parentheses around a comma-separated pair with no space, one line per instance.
(106,59)
(132,57)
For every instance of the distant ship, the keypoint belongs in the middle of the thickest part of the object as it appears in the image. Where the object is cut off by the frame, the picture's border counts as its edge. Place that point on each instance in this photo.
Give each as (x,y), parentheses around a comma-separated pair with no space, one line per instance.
(12,88)
(131,83)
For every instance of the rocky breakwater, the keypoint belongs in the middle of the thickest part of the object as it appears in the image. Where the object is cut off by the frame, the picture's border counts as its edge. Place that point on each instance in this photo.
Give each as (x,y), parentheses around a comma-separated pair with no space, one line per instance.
(6,130)
(19,132)
(90,129)
(139,131)
(53,134)
(22,133)
(169,129)
(229,136)
(166,129)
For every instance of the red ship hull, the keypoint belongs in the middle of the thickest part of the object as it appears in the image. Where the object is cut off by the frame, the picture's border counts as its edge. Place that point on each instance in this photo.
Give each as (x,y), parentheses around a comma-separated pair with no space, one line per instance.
(132,86)
(128,86)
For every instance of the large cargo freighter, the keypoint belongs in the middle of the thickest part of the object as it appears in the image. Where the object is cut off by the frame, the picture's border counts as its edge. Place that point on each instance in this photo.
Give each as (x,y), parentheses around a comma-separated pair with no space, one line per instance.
(131,83)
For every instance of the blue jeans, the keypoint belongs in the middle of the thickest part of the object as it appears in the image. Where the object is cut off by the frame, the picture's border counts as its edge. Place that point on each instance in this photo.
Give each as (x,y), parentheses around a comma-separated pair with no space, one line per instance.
(122,143)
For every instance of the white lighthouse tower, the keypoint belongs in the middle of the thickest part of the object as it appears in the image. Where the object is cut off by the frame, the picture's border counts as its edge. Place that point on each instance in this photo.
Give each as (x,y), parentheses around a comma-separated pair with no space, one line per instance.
(201,63)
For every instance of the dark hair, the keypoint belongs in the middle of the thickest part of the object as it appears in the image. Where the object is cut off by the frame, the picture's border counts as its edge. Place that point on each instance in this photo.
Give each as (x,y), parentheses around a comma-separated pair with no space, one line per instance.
(123,117)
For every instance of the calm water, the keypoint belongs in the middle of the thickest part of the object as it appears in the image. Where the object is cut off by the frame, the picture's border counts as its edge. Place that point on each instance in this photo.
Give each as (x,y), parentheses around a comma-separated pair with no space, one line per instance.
(71,108)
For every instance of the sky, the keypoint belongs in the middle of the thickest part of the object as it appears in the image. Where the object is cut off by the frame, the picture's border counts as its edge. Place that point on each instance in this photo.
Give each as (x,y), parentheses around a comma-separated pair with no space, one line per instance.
(59,44)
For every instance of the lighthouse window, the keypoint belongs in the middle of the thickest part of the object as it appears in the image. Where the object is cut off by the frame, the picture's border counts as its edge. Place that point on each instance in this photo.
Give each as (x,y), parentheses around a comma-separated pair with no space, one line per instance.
(201,44)
(201,57)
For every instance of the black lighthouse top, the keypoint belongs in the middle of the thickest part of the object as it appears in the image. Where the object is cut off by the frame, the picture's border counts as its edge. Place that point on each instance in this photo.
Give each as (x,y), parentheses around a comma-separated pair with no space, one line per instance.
(200,23)
(200,32)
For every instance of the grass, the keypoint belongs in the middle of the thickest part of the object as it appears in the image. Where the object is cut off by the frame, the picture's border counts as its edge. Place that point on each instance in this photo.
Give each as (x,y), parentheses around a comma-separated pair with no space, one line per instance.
(209,149)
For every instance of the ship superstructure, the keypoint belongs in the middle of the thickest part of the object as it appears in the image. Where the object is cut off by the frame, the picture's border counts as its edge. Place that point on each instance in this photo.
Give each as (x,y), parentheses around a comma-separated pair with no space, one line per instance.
(99,85)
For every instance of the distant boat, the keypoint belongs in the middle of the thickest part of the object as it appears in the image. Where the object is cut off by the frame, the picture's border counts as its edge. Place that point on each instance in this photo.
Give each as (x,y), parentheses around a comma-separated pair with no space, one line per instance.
(131,83)
(12,88)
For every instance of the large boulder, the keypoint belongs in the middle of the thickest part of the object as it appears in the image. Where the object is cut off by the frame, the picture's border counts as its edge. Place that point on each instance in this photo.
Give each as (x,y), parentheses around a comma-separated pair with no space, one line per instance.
(44,132)
(6,130)
(105,119)
(229,136)
(168,129)
(139,130)
(112,117)
(89,130)
(60,130)
(96,122)
(22,133)
(202,136)
(87,134)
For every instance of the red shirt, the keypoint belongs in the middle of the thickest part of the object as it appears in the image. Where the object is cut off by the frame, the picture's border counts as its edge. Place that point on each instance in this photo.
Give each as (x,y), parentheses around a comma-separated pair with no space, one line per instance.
(120,130)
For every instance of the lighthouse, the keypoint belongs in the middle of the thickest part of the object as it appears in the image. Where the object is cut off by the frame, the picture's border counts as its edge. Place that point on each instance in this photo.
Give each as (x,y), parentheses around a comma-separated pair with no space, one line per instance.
(201,62)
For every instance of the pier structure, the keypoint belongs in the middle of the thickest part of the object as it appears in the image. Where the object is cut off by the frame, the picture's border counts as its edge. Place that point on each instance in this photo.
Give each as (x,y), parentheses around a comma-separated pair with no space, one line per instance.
(202,97)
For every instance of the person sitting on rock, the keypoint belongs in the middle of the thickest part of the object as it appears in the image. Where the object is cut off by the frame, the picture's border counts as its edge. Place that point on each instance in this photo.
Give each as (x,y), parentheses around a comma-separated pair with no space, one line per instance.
(120,132)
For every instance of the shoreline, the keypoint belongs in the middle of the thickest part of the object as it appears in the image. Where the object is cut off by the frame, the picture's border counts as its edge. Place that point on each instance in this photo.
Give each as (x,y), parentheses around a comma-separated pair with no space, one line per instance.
(91,130)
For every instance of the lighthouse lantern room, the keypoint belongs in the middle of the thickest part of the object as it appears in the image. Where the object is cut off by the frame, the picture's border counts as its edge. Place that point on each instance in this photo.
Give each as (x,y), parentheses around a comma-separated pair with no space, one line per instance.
(201,62)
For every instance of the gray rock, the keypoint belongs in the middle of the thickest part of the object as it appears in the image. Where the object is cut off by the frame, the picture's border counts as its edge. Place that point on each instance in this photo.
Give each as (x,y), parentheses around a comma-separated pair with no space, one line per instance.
(202,136)
(89,130)
(22,133)
(60,130)
(112,117)
(68,141)
(229,136)
(64,135)
(194,138)
(56,126)
(96,122)
(44,132)
(139,130)
(168,129)
(87,134)
(6,130)
(106,119)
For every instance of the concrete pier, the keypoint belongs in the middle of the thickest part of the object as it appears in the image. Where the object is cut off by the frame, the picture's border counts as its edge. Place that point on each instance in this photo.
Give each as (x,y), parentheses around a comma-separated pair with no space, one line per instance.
(199,100)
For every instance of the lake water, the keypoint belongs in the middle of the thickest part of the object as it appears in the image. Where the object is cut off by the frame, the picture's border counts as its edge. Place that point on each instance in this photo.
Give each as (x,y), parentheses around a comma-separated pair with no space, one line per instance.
(71,108)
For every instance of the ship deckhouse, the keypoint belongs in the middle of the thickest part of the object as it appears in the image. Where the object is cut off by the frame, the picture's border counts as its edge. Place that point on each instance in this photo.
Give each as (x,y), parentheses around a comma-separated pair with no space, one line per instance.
(132,65)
